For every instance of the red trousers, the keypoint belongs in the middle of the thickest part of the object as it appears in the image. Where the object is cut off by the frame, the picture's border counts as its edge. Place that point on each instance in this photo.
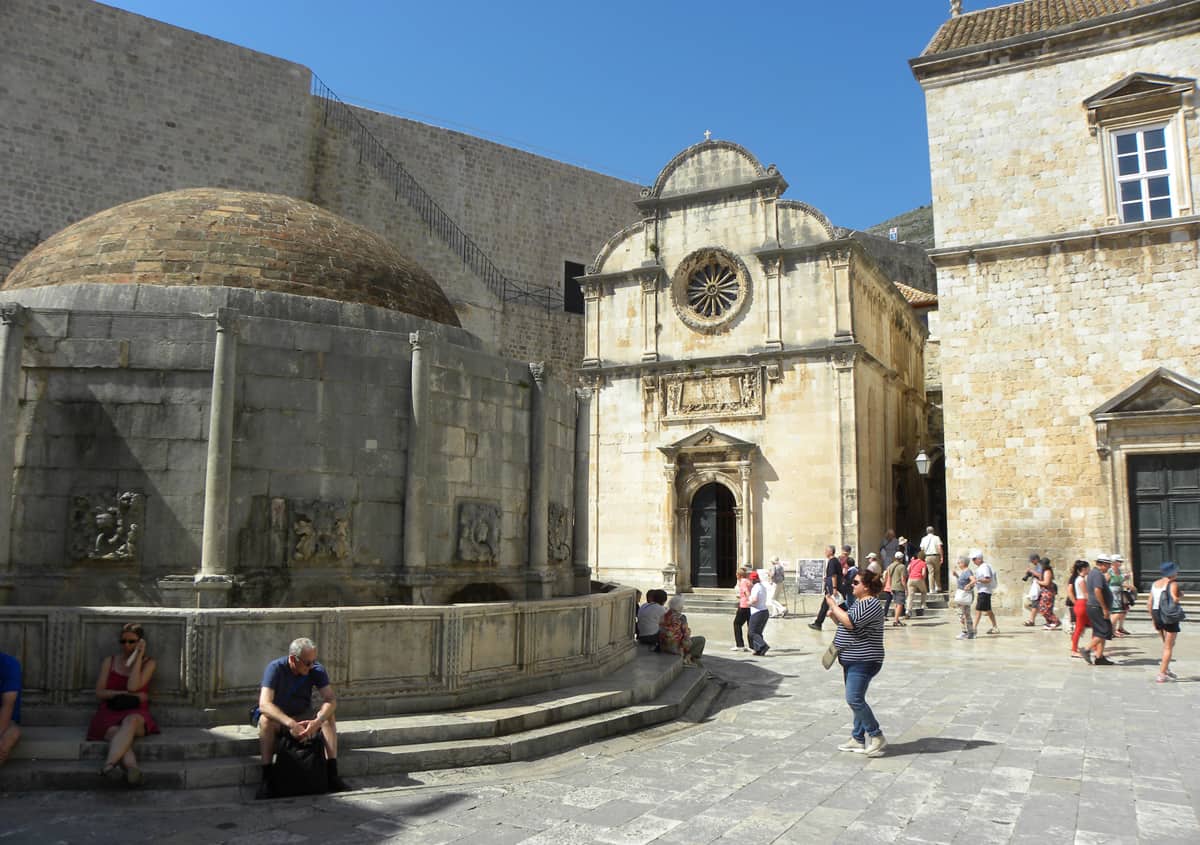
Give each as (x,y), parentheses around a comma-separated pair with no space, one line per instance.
(1081,622)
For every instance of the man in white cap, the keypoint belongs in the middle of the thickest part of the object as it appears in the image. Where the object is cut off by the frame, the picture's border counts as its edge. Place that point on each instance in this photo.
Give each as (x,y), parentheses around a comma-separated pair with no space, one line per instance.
(985,582)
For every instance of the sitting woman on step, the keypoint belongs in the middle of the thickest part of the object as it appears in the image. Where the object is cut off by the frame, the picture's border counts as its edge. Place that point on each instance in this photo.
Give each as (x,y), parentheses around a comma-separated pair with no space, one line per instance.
(674,635)
(124,712)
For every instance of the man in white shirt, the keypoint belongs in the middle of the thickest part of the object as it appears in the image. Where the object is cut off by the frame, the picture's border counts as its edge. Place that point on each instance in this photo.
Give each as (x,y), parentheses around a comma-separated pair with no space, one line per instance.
(649,615)
(985,582)
(931,544)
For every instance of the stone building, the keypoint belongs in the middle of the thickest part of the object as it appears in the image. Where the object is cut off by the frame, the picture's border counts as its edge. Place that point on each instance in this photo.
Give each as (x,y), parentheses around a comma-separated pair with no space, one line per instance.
(102,107)
(754,382)
(1065,156)
(212,396)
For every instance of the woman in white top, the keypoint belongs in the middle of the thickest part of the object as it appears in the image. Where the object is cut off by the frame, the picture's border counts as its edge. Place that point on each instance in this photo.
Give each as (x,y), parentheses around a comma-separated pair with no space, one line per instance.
(1167,630)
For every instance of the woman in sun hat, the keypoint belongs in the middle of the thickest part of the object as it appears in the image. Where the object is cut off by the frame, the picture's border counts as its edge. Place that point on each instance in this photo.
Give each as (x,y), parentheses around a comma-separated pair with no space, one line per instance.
(1167,584)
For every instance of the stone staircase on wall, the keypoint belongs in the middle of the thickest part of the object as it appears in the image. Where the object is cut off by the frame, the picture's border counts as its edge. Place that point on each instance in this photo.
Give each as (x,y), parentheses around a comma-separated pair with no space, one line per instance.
(651,689)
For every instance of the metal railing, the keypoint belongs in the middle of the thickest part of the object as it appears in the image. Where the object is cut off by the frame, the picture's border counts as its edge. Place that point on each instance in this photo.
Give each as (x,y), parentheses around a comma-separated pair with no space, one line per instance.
(371,151)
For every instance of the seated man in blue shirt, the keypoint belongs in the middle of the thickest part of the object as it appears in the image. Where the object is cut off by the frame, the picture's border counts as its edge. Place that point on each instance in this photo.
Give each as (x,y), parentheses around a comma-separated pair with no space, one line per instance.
(10,704)
(285,702)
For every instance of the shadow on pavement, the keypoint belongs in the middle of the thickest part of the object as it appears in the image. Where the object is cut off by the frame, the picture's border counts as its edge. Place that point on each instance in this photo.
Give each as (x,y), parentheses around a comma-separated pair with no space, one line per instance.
(934,745)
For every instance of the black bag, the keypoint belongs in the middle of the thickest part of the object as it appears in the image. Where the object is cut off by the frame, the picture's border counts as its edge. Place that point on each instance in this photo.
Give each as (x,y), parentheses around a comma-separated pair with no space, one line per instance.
(124,701)
(299,766)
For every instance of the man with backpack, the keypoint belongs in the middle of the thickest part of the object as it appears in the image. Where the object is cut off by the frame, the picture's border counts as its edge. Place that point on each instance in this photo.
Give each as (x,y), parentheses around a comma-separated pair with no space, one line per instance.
(285,707)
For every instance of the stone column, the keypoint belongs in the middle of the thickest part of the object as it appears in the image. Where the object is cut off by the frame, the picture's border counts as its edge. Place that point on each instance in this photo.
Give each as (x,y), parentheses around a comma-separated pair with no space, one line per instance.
(12,339)
(214,582)
(537,578)
(683,523)
(747,515)
(670,570)
(581,542)
(591,322)
(416,499)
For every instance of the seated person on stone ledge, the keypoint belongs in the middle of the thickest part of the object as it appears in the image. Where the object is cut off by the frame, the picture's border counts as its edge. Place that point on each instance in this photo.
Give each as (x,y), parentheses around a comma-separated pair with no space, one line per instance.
(674,635)
(124,712)
(649,615)
(285,701)
(10,704)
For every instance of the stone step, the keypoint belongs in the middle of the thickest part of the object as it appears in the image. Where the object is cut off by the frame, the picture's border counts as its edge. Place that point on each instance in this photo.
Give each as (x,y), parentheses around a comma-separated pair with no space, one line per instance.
(654,688)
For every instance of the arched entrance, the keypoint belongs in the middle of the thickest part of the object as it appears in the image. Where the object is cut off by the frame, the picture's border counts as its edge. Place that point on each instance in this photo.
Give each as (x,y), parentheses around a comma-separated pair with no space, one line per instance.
(714,537)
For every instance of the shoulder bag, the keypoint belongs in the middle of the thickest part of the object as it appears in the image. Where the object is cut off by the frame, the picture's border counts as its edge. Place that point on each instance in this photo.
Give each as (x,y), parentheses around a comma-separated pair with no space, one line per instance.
(830,656)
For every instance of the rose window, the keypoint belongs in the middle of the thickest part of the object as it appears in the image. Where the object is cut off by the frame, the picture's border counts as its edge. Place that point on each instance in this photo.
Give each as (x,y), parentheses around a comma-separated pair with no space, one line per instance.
(712,290)
(709,288)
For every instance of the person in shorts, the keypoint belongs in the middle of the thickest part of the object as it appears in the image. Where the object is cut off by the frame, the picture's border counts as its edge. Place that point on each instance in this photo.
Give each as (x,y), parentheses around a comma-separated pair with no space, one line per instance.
(896,580)
(985,583)
(1168,583)
(285,704)
(1099,604)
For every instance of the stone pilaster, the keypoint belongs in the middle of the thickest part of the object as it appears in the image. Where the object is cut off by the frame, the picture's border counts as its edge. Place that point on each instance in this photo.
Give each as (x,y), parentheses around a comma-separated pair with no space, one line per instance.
(649,285)
(747,526)
(591,322)
(537,577)
(839,265)
(12,338)
(773,269)
(843,364)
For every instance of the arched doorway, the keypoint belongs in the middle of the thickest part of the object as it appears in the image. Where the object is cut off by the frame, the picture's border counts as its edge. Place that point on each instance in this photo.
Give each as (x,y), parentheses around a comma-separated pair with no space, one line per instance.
(714,537)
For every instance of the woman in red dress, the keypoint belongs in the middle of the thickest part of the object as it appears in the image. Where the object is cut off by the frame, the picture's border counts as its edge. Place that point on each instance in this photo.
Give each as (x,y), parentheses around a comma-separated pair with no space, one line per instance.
(124,712)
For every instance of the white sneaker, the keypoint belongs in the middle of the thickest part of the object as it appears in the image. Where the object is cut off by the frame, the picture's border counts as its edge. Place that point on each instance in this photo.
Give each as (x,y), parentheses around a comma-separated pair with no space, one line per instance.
(875,746)
(852,745)
(736,648)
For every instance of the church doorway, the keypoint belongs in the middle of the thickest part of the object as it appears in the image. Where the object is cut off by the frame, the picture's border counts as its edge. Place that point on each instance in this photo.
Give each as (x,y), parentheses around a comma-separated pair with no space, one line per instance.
(1164,494)
(714,537)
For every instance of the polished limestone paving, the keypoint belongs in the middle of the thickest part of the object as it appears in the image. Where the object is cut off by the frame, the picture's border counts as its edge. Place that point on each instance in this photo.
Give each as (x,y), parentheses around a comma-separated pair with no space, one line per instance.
(999,739)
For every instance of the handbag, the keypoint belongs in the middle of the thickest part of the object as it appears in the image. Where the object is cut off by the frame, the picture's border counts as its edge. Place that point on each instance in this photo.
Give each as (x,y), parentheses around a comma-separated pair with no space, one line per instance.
(1035,590)
(962,596)
(124,701)
(1169,609)
(830,656)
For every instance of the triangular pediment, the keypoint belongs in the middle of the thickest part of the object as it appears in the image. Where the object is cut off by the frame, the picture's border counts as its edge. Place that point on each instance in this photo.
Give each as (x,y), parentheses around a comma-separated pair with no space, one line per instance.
(1137,86)
(706,439)
(1160,391)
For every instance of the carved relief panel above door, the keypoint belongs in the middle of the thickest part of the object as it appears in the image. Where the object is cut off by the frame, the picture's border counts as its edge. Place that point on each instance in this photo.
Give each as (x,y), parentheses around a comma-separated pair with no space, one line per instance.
(712,394)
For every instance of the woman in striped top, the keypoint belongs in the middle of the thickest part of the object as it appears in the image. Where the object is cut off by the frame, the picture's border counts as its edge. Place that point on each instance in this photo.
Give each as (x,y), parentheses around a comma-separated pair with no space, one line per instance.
(859,640)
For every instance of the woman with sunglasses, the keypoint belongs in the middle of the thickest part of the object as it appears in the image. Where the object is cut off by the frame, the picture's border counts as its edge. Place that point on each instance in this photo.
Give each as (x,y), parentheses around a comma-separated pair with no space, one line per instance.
(124,712)
(859,641)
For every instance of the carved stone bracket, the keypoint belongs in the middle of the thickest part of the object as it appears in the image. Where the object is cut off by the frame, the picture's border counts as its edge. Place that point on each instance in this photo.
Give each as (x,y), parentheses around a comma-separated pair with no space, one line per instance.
(12,313)
(478,532)
(106,526)
(774,373)
(843,360)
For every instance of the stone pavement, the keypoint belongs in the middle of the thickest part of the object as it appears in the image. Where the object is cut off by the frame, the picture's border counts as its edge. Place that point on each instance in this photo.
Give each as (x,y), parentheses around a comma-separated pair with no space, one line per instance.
(999,739)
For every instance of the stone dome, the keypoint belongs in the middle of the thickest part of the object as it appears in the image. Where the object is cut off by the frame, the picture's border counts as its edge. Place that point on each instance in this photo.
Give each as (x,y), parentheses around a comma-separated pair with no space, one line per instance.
(212,237)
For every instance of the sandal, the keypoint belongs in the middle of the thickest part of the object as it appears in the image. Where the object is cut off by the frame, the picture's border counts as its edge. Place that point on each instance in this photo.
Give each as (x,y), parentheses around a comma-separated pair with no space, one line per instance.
(1028,624)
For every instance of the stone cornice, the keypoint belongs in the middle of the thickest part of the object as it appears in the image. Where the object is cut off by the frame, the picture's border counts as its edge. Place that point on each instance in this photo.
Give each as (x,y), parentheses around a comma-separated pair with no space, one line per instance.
(771,182)
(1099,35)
(958,254)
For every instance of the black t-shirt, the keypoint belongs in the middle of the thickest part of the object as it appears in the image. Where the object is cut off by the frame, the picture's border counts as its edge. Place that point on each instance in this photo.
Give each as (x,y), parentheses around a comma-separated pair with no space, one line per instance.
(833,575)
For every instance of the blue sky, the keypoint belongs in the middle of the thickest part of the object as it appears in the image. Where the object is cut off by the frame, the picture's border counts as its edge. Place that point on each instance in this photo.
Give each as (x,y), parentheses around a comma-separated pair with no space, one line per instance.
(823,90)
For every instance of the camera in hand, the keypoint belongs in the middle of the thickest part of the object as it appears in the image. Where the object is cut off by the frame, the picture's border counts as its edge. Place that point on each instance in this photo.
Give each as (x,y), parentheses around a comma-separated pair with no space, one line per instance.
(1026,576)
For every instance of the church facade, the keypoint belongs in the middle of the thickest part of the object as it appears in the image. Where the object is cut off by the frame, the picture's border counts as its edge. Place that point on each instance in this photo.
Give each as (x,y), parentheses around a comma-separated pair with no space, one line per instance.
(1065,166)
(753,383)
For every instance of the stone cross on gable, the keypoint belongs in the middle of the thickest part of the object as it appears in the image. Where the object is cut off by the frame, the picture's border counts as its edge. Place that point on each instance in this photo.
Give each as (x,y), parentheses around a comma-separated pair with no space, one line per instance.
(707,135)
(955,8)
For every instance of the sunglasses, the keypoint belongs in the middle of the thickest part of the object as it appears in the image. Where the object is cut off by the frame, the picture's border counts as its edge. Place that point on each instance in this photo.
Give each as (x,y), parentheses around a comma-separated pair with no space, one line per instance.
(128,642)
(308,663)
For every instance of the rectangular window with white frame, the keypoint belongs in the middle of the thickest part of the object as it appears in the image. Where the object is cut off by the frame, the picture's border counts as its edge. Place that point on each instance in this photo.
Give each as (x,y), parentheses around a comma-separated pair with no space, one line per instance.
(1142,169)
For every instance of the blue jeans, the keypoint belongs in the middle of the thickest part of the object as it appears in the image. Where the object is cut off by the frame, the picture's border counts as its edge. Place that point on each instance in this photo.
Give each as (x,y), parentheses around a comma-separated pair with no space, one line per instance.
(858,677)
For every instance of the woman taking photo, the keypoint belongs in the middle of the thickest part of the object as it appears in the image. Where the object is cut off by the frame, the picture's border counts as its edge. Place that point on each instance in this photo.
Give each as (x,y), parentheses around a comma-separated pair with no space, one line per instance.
(1047,593)
(124,712)
(742,617)
(859,642)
